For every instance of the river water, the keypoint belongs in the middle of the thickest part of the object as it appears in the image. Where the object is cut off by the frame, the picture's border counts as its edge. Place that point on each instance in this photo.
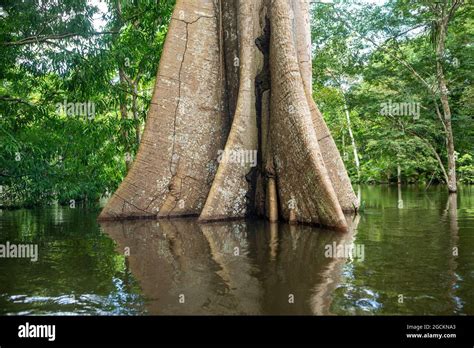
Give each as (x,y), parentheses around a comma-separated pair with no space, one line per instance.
(409,251)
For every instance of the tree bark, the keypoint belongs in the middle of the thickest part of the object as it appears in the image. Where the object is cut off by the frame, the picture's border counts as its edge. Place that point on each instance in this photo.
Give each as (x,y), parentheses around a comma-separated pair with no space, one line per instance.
(235,78)
(442,25)
(399,174)
(351,135)
(124,116)
(134,86)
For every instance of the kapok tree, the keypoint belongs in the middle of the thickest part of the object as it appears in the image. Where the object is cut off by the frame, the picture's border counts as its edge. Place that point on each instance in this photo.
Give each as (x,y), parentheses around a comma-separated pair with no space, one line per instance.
(235,78)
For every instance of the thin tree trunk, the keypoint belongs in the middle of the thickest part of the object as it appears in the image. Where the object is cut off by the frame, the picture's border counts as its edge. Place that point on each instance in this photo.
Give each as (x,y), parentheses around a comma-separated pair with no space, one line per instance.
(399,174)
(123,101)
(440,52)
(124,116)
(442,25)
(135,110)
(354,146)
(344,182)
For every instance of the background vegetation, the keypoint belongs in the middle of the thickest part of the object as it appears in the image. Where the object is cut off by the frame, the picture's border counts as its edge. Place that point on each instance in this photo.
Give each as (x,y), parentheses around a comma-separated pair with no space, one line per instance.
(107,53)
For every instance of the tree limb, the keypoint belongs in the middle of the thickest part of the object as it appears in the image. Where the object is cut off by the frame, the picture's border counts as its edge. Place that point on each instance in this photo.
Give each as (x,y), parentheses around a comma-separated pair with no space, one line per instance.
(36,39)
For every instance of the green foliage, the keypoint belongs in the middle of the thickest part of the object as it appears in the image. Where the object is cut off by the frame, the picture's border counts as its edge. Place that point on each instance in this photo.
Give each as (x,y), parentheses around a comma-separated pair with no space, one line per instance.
(70,52)
(466,169)
(363,55)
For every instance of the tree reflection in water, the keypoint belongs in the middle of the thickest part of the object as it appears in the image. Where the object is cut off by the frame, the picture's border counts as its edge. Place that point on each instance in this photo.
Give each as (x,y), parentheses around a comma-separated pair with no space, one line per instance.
(237,267)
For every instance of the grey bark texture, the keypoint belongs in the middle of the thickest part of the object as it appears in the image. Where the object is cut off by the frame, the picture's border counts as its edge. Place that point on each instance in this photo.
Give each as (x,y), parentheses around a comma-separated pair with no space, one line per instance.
(235,80)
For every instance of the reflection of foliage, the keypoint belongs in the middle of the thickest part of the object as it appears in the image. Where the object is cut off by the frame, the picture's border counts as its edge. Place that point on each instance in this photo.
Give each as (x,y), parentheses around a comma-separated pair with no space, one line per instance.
(78,269)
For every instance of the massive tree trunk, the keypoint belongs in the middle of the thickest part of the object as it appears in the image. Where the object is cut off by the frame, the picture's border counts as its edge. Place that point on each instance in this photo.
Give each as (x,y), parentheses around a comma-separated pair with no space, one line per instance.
(235,80)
